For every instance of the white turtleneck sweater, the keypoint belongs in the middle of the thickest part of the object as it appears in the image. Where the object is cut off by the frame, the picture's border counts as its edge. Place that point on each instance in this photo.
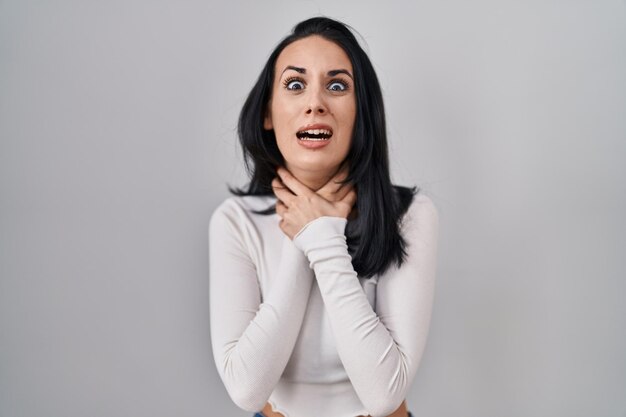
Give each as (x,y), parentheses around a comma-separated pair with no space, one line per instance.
(293,324)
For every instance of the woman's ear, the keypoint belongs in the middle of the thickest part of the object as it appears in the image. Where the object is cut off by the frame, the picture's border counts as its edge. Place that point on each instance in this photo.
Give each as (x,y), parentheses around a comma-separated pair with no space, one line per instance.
(267,121)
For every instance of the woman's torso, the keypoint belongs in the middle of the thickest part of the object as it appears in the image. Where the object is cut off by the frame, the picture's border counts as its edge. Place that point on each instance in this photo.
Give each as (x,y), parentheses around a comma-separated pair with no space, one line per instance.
(314,377)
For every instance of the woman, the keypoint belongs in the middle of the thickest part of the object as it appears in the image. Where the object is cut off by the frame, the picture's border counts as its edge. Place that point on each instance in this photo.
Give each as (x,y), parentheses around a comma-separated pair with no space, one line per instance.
(321,271)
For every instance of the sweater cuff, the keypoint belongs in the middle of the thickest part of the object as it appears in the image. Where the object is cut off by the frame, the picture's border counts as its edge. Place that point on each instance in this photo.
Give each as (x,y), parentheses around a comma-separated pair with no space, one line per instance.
(319,230)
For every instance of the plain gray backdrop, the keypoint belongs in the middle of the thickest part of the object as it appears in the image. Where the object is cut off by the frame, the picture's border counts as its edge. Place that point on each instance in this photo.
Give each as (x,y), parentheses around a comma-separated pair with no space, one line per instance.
(117,127)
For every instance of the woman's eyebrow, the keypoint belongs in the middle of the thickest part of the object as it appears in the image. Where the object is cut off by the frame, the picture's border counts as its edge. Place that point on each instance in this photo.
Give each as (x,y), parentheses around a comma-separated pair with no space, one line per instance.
(340,71)
(330,73)
(297,69)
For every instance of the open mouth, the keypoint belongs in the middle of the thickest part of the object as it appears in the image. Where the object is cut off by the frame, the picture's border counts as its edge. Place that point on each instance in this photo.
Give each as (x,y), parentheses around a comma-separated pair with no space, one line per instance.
(315,134)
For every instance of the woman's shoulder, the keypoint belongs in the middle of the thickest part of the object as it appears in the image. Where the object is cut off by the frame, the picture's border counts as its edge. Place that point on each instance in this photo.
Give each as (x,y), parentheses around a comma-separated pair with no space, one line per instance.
(235,208)
(247,202)
(422,211)
(413,201)
(423,203)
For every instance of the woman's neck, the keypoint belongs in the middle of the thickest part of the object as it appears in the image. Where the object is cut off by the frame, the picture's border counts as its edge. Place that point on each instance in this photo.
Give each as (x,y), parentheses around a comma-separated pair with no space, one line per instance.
(312,179)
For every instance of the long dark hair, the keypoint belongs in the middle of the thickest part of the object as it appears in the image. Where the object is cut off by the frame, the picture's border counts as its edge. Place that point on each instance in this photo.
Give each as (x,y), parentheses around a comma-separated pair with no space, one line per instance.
(373,237)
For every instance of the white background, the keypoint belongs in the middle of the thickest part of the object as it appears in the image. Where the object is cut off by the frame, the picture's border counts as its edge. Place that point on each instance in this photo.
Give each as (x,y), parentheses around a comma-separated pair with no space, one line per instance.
(117,139)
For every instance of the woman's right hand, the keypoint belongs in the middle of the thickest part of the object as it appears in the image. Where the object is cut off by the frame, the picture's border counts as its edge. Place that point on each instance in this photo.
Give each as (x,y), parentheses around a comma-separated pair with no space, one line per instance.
(297,205)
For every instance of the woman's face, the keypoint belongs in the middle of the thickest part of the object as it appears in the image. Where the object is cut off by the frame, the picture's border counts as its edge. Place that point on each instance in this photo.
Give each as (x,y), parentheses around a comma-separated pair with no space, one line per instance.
(313,105)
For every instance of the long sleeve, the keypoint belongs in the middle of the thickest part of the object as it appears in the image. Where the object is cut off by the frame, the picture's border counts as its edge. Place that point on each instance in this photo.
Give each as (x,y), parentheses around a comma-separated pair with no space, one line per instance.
(381,349)
(252,339)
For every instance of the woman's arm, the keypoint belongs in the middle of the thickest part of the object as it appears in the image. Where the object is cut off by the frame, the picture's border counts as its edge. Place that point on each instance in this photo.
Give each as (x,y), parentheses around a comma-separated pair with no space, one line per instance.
(252,340)
(380,352)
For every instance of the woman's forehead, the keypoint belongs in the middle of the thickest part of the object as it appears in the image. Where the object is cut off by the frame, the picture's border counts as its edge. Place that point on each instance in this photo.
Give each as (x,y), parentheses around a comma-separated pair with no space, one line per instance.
(313,53)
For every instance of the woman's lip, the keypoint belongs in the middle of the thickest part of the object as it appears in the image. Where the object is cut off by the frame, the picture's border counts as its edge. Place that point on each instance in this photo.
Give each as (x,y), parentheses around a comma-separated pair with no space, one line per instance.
(313,144)
(316,126)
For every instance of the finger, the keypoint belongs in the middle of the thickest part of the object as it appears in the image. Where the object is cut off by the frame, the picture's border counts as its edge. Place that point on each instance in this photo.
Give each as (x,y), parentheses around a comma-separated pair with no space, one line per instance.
(282,192)
(280,208)
(277,183)
(293,184)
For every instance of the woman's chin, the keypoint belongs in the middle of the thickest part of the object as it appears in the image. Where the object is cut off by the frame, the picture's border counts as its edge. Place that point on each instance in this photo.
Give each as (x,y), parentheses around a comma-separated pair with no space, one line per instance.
(310,168)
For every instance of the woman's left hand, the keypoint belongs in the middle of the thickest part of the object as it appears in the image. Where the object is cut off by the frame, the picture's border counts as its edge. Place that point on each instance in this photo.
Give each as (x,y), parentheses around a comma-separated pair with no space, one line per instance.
(297,204)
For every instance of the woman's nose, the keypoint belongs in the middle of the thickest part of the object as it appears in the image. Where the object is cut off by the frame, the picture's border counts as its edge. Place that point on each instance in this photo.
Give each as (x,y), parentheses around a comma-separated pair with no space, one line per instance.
(316,104)
(316,110)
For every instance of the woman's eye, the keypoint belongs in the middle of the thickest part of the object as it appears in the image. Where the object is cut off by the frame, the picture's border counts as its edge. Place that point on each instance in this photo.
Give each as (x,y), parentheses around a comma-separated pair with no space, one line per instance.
(337,86)
(295,85)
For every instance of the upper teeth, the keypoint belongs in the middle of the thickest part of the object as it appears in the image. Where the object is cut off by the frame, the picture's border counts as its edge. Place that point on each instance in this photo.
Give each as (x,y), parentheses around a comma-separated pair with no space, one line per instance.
(316,132)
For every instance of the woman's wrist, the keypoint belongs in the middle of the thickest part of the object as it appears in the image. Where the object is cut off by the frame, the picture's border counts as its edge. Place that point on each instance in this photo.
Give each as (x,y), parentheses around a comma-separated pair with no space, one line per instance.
(319,231)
